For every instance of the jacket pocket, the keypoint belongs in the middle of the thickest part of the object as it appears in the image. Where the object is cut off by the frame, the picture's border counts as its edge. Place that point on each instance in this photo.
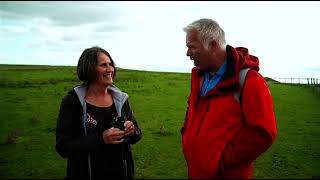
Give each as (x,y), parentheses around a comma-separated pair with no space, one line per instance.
(240,171)
(204,160)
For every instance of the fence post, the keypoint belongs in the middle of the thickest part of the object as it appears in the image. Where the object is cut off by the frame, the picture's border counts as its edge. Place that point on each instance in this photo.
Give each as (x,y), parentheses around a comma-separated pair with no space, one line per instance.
(312,81)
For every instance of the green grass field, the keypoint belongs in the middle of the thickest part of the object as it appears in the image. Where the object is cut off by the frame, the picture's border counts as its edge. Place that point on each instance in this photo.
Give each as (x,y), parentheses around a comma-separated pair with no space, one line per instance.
(30,97)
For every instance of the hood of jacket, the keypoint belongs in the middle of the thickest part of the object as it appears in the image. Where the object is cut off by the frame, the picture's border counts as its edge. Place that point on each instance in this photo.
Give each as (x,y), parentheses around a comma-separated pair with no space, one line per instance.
(237,59)
(119,97)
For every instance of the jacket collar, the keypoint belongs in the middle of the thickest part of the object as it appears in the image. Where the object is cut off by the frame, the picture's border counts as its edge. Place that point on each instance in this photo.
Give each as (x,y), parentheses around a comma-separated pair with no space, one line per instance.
(119,97)
(237,59)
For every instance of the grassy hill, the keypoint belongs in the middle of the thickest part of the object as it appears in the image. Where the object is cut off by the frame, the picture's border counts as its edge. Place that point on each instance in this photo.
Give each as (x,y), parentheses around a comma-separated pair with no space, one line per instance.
(30,97)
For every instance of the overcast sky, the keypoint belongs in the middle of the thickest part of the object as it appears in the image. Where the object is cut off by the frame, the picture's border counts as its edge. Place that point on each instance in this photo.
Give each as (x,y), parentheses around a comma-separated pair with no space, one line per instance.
(149,36)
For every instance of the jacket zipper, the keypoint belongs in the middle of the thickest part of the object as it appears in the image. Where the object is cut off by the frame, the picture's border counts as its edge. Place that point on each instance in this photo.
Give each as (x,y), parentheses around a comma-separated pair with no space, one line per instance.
(85,132)
(125,171)
(202,120)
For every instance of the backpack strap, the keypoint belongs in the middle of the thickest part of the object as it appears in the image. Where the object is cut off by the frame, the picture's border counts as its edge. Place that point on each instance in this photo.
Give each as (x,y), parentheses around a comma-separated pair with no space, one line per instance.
(242,79)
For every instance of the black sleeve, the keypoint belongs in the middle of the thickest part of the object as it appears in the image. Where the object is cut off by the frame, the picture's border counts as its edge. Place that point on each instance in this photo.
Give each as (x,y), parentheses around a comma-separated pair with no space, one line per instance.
(70,138)
(137,135)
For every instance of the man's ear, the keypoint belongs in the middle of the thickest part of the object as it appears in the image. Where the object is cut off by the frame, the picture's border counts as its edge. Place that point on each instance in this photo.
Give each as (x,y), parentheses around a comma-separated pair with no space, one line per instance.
(213,45)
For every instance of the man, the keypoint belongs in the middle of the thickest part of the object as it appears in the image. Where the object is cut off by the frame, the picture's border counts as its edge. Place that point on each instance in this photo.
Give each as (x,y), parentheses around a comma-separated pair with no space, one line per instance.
(222,136)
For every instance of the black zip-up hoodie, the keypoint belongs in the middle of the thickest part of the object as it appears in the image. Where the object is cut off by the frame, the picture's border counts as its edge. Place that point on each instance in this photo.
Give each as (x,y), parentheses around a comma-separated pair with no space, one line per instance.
(74,143)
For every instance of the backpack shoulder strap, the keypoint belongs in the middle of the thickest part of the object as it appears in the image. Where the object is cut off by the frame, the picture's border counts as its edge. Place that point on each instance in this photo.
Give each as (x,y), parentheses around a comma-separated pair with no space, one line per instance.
(242,79)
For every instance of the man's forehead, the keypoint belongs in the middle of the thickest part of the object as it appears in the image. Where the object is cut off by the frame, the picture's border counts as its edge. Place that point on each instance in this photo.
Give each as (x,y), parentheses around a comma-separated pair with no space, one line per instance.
(192,36)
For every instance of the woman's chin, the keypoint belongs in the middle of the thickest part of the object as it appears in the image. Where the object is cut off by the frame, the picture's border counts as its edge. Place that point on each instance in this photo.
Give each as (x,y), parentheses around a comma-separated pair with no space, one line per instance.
(109,82)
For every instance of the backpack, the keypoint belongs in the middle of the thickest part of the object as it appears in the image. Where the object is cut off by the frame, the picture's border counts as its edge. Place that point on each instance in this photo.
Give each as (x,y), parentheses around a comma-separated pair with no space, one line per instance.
(242,79)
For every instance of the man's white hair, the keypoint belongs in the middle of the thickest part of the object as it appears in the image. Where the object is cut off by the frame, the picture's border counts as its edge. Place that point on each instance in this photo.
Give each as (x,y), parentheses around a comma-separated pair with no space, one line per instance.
(208,30)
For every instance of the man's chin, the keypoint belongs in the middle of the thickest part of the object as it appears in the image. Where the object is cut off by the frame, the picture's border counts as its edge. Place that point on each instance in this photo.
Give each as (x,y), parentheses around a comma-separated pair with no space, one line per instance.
(199,68)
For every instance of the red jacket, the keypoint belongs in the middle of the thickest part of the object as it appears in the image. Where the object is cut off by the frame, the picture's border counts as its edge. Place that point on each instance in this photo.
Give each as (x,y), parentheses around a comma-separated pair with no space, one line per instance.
(221,137)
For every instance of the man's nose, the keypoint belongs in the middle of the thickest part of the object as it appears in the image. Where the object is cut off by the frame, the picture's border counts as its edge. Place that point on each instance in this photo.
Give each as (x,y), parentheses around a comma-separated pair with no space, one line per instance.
(189,52)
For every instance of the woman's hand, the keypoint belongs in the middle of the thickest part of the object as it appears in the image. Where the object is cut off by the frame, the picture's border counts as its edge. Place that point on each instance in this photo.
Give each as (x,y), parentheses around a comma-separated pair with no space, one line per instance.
(129,128)
(113,136)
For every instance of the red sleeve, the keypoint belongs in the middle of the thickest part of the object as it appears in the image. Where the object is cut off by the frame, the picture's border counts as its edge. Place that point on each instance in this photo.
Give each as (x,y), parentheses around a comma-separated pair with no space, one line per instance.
(191,99)
(259,131)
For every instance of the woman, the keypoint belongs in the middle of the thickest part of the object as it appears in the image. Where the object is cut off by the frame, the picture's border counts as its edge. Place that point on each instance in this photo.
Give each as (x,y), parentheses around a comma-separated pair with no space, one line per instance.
(96,126)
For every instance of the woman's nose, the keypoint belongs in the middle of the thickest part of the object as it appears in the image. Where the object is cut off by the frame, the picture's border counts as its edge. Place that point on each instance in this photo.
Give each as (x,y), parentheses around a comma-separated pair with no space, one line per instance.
(109,67)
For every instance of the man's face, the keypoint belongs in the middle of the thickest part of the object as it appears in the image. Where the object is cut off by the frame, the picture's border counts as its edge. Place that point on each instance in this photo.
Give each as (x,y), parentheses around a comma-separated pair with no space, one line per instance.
(197,52)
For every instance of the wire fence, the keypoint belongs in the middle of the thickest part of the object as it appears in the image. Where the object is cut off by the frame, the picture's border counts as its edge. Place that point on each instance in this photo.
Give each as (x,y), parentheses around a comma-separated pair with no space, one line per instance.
(307,81)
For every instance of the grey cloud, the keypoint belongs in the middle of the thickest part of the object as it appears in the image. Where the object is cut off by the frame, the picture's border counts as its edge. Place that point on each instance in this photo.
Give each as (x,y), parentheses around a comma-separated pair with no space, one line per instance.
(54,45)
(97,30)
(109,27)
(316,69)
(61,13)
(67,38)
(15,29)
(64,43)
(44,43)
(56,25)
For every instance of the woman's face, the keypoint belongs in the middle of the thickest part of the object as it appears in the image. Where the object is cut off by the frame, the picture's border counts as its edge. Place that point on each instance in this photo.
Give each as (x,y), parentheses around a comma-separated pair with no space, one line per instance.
(104,70)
